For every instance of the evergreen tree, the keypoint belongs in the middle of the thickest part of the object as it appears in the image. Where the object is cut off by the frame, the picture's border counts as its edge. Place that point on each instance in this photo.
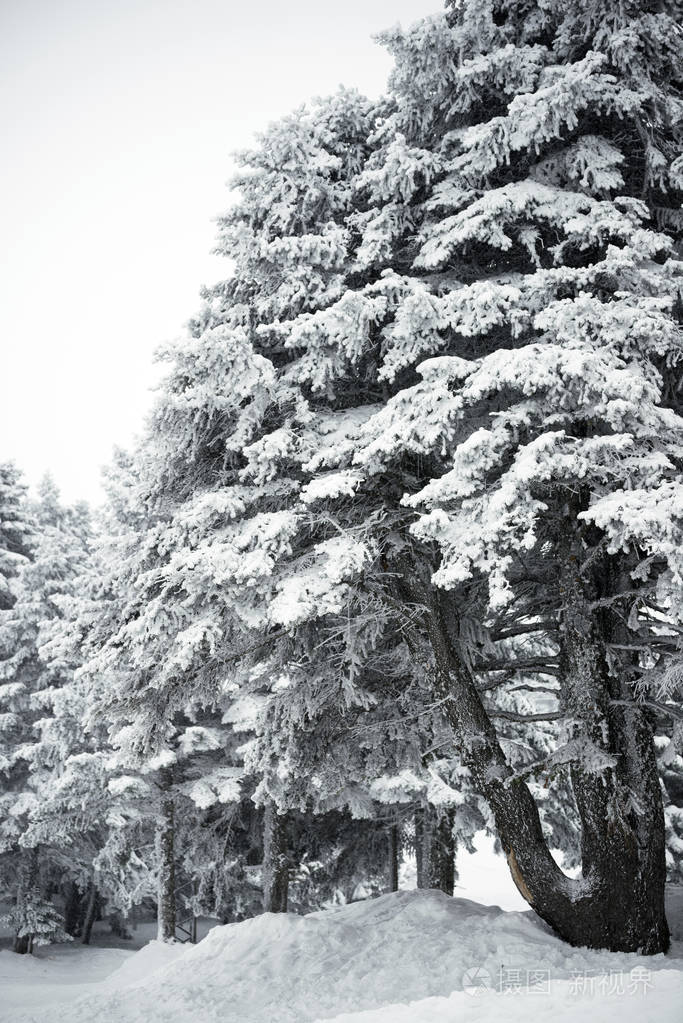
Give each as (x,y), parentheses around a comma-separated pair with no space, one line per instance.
(189,606)
(74,809)
(172,770)
(541,449)
(30,681)
(15,530)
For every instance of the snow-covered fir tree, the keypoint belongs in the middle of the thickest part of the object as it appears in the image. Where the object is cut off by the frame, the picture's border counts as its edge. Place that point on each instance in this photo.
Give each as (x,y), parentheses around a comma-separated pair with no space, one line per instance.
(30,681)
(537,302)
(15,530)
(192,622)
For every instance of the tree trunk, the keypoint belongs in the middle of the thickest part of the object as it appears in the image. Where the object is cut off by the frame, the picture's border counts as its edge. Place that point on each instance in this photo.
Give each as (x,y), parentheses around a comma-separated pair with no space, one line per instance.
(275,861)
(166,898)
(73,910)
(442,853)
(619,805)
(90,910)
(423,842)
(394,850)
(435,848)
(618,902)
(22,944)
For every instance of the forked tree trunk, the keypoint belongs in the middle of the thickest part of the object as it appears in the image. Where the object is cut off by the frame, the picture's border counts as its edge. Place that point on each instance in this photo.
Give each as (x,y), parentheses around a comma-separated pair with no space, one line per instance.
(620,806)
(394,854)
(275,860)
(618,903)
(165,840)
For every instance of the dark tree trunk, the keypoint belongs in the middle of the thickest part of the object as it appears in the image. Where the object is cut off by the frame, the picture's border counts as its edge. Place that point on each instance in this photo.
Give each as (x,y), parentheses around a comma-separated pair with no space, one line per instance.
(619,806)
(435,848)
(618,902)
(73,910)
(90,911)
(275,861)
(442,853)
(423,841)
(166,899)
(23,944)
(394,850)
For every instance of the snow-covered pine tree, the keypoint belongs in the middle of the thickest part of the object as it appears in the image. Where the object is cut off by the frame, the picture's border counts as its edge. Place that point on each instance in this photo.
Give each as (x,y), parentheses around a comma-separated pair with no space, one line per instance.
(304,753)
(15,530)
(214,502)
(173,771)
(29,682)
(70,756)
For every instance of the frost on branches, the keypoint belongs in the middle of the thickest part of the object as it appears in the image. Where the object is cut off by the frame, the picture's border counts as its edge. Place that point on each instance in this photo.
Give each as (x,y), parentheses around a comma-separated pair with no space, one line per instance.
(33,683)
(412,484)
(399,555)
(419,458)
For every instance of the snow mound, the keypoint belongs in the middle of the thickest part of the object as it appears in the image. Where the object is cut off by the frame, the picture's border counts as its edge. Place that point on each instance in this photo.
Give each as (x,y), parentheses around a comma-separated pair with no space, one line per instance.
(138,968)
(406,947)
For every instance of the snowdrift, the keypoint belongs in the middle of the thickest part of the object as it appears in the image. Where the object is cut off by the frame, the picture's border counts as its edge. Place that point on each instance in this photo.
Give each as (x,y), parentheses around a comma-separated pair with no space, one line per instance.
(401,957)
(137,968)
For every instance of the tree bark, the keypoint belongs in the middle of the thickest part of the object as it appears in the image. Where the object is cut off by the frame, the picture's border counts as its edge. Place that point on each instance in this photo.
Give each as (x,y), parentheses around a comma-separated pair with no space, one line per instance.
(435,848)
(166,899)
(442,853)
(423,842)
(90,910)
(22,944)
(618,903)
(620,806)
(394,850)
(275,860)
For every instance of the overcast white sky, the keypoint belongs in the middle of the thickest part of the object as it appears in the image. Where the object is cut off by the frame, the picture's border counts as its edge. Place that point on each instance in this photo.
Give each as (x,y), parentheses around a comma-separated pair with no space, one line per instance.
(118,120)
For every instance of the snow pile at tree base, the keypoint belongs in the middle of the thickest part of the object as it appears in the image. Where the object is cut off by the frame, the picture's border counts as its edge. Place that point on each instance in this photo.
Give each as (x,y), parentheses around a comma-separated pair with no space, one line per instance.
(407,947)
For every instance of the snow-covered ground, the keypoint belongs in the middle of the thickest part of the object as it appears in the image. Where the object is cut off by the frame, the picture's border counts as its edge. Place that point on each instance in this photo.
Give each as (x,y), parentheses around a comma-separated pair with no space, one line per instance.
(60,973)
(409,957)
